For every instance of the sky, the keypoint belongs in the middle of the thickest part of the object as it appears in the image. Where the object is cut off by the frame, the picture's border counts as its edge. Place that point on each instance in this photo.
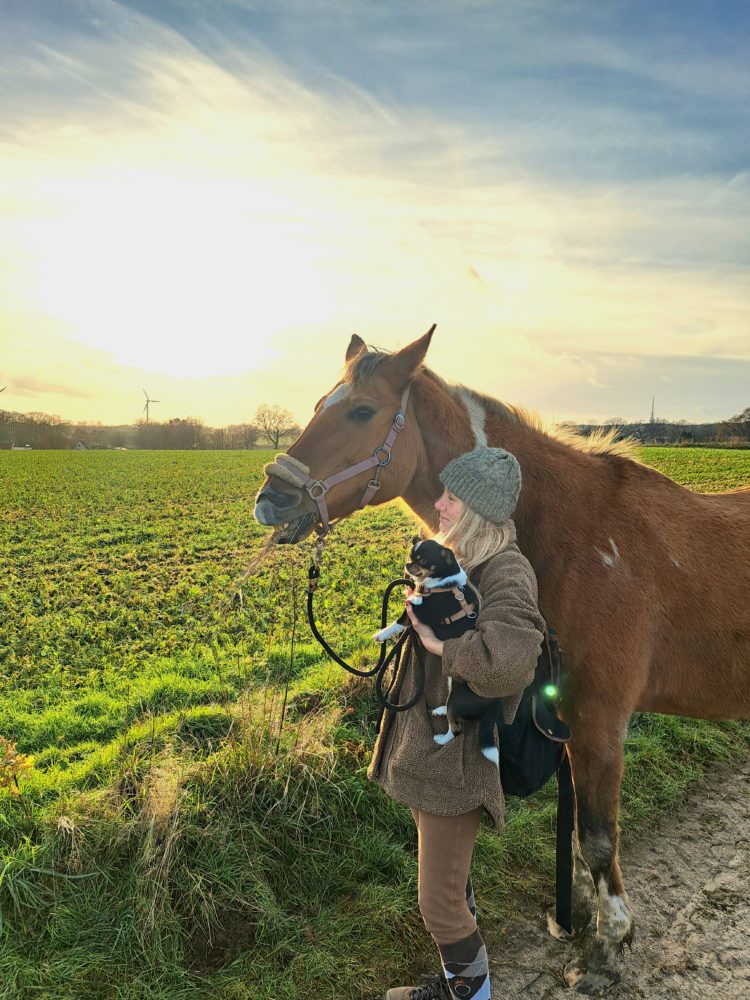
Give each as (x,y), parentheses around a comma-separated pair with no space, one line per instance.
(204,199)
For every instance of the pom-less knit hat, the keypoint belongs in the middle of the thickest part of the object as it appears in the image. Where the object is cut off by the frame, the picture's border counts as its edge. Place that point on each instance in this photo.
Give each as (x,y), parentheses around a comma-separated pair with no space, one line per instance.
(487,479)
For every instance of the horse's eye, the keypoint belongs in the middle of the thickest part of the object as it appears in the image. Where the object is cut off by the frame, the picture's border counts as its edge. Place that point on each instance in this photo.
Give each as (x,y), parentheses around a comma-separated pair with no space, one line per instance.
(362,414)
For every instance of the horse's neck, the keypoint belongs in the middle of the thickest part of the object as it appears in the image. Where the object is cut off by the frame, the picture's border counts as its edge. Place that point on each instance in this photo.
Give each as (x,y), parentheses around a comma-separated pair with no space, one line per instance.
(554,474)
(556,477)
(445,432)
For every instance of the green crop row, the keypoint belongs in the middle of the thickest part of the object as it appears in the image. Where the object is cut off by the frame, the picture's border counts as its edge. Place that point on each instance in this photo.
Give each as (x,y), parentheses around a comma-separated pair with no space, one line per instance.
(194,818)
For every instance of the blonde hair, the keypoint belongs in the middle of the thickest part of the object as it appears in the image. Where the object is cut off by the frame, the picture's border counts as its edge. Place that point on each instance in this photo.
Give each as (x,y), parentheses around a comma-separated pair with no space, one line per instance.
(473,538)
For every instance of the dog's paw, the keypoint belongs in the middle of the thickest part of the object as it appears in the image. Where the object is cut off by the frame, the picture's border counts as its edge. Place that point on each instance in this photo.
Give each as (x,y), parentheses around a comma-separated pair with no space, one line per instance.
(442,738)
(387,633)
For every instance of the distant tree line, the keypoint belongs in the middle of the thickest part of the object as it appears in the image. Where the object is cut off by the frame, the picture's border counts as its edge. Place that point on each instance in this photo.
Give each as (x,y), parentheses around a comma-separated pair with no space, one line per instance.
(735,431)
(272,426)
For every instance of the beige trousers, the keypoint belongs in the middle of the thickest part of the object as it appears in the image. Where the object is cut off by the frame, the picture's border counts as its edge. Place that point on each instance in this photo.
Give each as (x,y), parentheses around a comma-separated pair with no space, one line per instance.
(446,845)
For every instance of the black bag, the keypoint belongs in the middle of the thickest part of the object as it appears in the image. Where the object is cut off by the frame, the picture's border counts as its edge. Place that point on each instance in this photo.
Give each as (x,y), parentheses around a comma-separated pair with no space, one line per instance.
(532,747)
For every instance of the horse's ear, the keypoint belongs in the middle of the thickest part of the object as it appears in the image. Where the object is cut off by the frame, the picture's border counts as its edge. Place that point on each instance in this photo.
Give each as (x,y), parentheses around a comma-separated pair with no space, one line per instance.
(356,346)
(408,359)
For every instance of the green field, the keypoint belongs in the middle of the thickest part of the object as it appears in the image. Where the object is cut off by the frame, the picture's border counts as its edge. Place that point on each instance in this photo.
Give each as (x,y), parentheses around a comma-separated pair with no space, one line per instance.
(121,570)
(193,817)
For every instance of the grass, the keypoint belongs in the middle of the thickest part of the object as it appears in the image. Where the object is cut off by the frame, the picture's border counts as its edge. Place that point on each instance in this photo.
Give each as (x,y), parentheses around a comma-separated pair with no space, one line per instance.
(706,470)
(172,838)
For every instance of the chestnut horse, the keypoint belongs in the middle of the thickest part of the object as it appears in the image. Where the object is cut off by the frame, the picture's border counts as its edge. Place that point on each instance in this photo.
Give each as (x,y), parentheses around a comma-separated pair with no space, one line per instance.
(646,583)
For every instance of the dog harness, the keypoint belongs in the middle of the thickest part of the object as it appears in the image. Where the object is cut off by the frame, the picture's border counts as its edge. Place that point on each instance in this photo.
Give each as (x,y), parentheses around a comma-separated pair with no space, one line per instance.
(467,610)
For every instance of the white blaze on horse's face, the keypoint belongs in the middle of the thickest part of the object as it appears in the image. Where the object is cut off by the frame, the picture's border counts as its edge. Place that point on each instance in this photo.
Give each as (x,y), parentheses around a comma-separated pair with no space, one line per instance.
(337,396)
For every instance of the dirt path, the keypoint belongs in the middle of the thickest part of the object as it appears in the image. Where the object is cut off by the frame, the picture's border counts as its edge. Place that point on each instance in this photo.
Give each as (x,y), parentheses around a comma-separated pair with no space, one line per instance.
(690,886)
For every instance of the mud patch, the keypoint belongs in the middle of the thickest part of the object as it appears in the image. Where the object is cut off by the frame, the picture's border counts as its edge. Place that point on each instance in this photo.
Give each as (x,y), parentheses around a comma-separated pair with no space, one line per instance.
(690,888)
(231,934)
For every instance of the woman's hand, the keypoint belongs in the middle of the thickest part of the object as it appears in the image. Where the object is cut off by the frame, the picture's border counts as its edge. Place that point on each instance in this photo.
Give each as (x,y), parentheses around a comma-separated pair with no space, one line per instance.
(429,640)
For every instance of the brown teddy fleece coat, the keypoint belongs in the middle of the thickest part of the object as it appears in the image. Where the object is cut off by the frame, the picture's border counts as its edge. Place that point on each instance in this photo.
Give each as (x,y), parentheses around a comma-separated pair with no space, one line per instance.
(497,659)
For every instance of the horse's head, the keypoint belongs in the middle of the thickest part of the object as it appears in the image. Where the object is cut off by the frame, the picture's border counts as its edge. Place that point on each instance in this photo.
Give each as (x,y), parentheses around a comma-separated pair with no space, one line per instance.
(352,423)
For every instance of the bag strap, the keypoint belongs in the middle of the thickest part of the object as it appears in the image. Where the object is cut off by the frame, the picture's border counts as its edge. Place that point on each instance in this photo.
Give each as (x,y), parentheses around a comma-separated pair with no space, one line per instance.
(564,847)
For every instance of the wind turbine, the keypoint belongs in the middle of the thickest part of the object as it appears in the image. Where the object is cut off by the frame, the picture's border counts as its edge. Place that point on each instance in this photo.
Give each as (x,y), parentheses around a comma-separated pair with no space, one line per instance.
(145,408)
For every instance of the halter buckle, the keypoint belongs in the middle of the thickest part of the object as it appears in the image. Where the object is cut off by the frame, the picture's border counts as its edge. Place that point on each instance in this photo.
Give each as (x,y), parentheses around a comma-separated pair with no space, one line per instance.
(399,421)
(380,461)
(311,487)
(374,484)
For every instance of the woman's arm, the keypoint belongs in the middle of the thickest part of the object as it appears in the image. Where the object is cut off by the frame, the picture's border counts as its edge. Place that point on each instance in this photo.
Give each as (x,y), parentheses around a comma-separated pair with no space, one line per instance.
(498,657)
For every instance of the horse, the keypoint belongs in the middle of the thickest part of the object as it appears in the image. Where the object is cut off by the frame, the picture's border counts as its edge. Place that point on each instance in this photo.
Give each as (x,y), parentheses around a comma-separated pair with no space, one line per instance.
(646,583)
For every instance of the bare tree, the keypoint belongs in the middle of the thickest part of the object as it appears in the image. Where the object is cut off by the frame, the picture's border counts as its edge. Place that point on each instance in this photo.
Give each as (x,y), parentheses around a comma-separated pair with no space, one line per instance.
(242,435)
(275,423)
(736,428)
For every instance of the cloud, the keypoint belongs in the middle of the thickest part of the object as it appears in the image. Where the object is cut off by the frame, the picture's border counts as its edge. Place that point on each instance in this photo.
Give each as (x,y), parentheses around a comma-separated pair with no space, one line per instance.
(29,385)
(693,388)
(198,203)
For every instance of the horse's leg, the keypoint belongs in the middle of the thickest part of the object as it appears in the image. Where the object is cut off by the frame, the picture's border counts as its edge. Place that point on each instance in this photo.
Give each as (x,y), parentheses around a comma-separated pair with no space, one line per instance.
(583,898)
(584,890)
(598,782)
(596,751)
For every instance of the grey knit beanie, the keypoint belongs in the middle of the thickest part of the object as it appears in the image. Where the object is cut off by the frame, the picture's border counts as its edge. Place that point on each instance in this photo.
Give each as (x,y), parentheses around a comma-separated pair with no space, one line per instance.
(487,479)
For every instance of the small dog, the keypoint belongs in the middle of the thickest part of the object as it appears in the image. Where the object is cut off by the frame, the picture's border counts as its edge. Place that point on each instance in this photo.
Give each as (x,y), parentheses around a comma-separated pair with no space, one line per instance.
(445,600)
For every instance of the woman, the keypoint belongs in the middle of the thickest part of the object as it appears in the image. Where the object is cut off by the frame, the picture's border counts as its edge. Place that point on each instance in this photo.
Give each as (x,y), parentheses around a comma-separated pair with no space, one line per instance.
(447,787)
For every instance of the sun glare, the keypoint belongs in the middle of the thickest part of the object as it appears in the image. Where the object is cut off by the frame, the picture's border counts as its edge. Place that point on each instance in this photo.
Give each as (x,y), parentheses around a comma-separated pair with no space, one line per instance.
(187,276)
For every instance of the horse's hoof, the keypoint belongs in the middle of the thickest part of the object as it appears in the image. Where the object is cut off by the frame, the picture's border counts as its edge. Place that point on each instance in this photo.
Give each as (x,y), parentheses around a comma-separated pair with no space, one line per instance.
(580,920)
(593,973)
(591,982)
(583,900)
(628,940)
(557,931)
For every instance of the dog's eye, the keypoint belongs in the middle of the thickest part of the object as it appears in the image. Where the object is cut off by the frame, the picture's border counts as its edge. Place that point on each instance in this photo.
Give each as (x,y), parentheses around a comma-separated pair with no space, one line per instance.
(361,415)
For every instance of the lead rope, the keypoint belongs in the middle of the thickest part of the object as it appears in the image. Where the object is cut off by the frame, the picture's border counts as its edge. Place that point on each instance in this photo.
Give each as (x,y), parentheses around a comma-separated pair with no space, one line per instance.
(386,657)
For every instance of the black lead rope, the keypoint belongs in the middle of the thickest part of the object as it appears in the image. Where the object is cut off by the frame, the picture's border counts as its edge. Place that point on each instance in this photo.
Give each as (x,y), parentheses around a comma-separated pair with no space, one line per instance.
(386,656)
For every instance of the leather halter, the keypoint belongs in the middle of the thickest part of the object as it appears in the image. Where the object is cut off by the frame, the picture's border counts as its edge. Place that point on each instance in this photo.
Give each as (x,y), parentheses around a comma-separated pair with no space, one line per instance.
(318,488)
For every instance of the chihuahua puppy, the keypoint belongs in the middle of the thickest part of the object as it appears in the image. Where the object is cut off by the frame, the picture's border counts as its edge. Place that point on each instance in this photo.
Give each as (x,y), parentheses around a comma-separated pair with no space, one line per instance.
(444,599)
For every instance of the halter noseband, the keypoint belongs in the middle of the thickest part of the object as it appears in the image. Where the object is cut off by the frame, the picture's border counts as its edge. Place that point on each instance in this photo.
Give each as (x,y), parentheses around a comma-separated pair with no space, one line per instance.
(318,488)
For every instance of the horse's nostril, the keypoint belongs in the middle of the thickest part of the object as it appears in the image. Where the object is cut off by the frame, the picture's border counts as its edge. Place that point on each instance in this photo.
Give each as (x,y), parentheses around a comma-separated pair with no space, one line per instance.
(281,501)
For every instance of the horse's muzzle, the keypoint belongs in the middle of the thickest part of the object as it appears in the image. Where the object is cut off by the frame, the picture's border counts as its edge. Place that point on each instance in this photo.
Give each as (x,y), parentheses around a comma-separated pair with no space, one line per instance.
(298,530)
(274,508)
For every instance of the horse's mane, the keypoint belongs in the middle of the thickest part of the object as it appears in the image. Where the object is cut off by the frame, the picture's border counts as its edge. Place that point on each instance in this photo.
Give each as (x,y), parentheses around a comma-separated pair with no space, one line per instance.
(599,442)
